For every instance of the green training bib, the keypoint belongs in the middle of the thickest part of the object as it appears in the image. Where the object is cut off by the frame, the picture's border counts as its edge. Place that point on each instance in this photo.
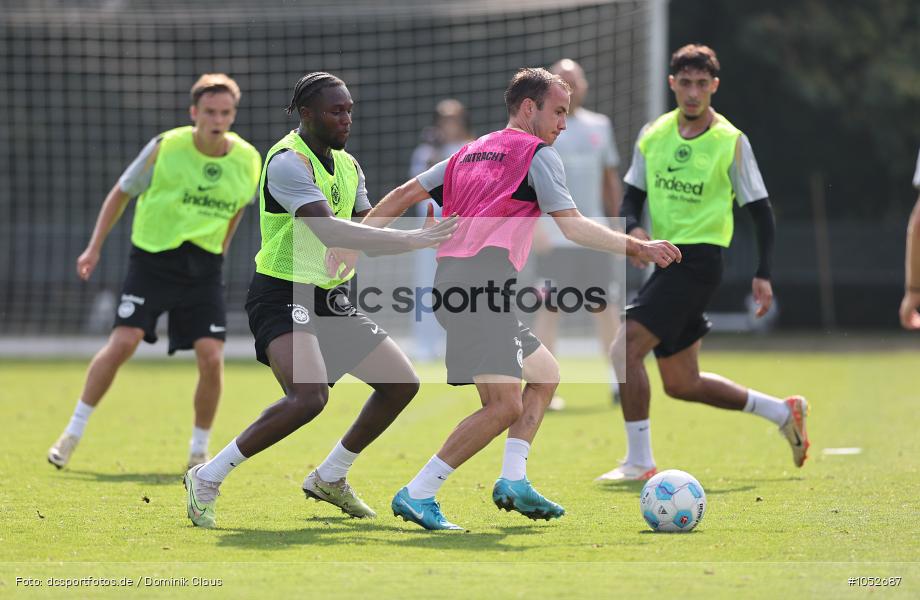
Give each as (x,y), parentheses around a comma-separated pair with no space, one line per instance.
(689,190)
(192,197)
(290,250)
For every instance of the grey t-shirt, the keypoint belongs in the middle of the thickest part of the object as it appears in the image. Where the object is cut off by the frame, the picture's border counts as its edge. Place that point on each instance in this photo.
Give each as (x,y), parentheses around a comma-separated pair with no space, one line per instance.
(137,177)
(292,185)
(546,176)
(747,182)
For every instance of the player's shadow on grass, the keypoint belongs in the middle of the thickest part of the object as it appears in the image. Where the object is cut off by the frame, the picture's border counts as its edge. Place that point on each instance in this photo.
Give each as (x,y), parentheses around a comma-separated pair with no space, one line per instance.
(621,486)
(146,478)
(634,487)
(338,530)
(729,490)
(671,533)
(473,540)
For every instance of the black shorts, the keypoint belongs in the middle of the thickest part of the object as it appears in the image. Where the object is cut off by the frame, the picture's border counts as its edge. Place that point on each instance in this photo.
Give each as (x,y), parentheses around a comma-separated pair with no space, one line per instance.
(186,283)
(346,336)
(672,302)
(480,340)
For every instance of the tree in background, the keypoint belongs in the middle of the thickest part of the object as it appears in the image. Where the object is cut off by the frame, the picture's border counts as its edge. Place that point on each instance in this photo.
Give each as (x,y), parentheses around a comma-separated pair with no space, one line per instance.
(820,86)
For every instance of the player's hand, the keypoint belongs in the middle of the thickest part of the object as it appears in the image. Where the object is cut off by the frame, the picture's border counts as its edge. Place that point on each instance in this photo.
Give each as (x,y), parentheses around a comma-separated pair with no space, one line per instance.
(433,233)
(640,234)
(661,252)
(430,219)
(86,263)
(910,318)
(763,295)
(336,258)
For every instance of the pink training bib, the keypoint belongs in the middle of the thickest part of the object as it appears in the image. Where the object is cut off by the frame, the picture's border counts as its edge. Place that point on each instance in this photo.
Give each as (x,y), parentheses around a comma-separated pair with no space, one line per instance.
(478,184)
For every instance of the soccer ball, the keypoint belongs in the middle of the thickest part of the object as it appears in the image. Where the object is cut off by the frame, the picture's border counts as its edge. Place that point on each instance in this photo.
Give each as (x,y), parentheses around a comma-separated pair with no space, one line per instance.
(672,501)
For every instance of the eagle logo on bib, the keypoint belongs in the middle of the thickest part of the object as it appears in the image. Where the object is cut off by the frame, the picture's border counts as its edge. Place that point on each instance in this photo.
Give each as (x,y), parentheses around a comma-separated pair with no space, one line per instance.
(336,196)
(212,171)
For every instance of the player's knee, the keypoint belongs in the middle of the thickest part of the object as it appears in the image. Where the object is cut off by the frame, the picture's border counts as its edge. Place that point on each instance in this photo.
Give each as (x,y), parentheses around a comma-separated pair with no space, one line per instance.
(678,389)
(307,401)
(410,388)
(546,386)
(402,392)
(632,340)
(632,359)
(509,411)
(211,363)
(122,345)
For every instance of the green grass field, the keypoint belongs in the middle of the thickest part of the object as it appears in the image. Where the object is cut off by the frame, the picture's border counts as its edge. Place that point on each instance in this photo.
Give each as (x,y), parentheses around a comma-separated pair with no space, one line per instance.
(770,530)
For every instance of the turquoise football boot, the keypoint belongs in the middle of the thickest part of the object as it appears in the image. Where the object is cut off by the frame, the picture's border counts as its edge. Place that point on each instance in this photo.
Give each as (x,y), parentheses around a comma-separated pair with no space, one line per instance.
(425,512)
(521,496)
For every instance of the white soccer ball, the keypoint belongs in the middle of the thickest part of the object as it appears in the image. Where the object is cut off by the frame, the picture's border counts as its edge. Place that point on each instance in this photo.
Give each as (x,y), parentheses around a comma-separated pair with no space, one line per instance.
(673,501)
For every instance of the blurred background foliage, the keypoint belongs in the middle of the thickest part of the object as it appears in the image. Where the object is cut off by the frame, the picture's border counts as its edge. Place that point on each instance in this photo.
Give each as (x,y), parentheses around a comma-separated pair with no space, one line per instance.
(819,86)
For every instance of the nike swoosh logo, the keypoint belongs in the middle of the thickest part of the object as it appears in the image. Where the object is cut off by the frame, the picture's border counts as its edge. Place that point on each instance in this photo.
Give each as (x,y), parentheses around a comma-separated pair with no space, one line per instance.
(798,440)
(204,188)
(418,515)
(217,329)
(196,510)
(672,169)
(374,327)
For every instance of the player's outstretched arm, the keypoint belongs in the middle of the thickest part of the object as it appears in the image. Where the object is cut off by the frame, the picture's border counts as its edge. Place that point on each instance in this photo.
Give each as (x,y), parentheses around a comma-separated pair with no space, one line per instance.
(585,232)
(112,209)
(910,318)
(639,234)
(342,233)
(395,203)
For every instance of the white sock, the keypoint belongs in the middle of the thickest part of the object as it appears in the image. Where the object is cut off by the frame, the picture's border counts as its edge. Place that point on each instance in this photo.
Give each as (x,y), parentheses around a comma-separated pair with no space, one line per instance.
(768,407)
(199,443)
(336,465)
(639,443)
(79,419)
(514,465)
(430,479)
(220,466)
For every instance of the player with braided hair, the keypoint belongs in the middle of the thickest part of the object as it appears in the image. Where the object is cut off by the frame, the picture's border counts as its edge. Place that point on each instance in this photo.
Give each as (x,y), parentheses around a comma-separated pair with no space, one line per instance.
(304,325)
